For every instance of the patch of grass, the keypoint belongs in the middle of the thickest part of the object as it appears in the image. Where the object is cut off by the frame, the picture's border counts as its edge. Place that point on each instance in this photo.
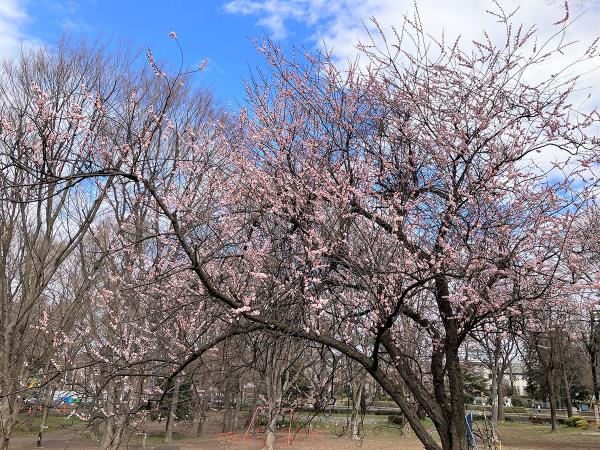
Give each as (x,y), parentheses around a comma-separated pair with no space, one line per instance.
(427,422)
(158,437)
(28,424)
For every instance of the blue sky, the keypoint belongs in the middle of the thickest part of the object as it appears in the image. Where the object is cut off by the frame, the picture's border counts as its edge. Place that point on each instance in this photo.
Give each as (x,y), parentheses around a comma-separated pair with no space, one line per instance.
(205,30)
(221,30)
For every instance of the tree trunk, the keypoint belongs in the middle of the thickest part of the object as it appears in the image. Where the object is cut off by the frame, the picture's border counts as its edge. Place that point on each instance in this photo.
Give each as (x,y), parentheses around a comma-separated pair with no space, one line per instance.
(201,415)
(456,438)
(238,405)
(395,389)
(228,411)
(172,412)
(357,385)
(105,442)
(511,378)
(357,390)
(552,393)
(5,438)
(113,435)
(501,416)
(46,405)
(494,396)
(595,387)
(452,431)
(593,360)
(107,434)
(10,405)
(114,425)
(567,388)
(42,425)
(270,433)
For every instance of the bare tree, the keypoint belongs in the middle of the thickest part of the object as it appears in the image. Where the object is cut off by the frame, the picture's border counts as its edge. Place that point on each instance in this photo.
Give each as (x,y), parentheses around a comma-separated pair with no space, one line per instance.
(48,118)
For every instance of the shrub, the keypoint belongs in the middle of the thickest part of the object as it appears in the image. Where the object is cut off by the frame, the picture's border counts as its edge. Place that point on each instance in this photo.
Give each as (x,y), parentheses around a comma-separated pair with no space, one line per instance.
(516,409)
(582,424)
(397,419)
(521,402)
(572,421)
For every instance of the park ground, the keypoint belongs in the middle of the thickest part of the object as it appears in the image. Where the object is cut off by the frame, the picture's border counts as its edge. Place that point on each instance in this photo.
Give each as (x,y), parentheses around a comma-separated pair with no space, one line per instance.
(378,435)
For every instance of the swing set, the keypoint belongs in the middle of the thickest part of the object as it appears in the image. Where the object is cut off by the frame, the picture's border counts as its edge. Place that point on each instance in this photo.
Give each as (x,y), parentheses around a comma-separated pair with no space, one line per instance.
(254,431)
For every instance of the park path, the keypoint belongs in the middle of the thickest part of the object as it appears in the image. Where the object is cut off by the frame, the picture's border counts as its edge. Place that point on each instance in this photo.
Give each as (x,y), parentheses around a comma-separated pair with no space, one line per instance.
(71,440)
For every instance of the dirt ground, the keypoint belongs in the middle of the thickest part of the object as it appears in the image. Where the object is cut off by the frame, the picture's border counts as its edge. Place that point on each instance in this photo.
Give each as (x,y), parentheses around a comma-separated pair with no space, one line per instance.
(514,436)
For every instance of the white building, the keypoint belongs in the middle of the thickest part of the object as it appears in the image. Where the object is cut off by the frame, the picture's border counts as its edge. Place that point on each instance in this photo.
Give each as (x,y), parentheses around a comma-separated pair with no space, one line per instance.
(516,376)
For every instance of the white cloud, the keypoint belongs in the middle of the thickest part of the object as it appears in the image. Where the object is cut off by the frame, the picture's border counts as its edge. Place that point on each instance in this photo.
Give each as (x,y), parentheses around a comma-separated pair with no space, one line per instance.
(75,25)
(274,13)
(340,24)
(12,19)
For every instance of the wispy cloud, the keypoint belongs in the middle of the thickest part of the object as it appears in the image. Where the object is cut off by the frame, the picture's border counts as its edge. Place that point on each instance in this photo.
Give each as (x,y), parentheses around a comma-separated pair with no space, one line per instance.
(13,18)
(76,25)
(273,14)
(340,24)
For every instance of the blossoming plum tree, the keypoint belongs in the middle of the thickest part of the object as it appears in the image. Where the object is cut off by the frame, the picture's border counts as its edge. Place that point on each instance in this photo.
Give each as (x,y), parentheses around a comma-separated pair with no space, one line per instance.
(409,188)
(405,186)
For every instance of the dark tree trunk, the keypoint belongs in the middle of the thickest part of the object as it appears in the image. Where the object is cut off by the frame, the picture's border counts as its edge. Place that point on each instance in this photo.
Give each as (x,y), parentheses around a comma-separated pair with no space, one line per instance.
(239,400)
(454,434)
(552,393)
(546,347)
(592,348)
(456,419)
(172,412)
(229,406)
(593,354)
(494,395)
(567,389)
(47,404)
(201,415)
(396,391)
(501,402)
(395,388)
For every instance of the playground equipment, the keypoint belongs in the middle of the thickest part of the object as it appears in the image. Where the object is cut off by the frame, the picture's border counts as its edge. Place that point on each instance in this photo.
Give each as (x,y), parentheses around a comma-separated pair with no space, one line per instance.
(483,436)
(292,430)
